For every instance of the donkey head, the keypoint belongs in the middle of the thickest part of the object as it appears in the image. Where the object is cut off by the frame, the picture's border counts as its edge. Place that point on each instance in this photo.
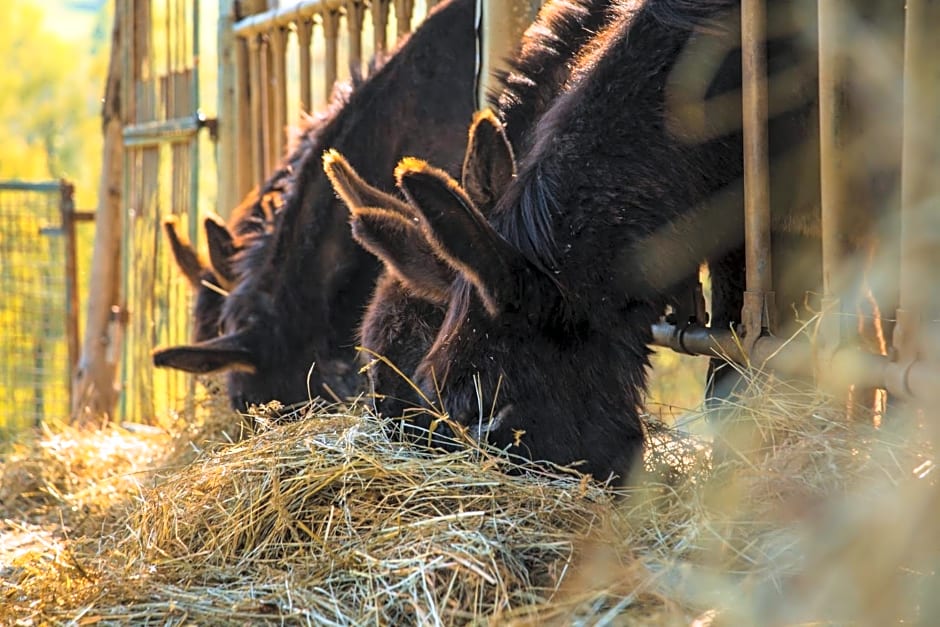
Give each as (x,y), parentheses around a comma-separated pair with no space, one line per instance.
(210,280)
(515,361)
(411,297)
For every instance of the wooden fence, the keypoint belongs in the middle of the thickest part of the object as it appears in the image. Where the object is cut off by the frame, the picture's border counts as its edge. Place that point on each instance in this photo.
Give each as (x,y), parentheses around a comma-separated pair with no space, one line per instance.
(274,62)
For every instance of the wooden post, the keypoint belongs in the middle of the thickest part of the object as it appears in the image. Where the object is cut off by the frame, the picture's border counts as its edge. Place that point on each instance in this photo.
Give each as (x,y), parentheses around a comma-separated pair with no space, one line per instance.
(93,383)
(67,211)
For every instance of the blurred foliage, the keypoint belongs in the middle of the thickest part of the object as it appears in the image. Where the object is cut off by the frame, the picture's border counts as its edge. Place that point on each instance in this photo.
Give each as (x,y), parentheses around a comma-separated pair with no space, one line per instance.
(50,119)
(50,103)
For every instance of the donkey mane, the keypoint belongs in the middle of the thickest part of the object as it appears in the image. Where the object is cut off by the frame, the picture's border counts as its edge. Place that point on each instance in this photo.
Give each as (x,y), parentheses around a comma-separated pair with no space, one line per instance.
(525,212)
(352,110)
(524,91)
(305,142)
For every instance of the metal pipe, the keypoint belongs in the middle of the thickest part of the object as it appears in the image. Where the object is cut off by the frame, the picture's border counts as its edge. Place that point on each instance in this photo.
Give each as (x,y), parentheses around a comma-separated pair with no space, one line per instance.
(25,186)
(833,162)
(795,357)
(920,185)
(758,297)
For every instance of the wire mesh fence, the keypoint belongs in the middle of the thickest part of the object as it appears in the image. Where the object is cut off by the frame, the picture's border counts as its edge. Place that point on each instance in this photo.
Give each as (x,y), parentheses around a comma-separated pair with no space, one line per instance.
(36,305)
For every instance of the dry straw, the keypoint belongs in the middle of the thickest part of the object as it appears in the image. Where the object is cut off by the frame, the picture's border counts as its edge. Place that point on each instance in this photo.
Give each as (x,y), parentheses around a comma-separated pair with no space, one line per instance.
(802,516)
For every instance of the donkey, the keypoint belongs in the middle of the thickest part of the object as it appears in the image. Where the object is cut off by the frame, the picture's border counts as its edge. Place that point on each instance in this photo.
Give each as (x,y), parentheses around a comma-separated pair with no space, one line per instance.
(404,316)
(212,279)
(289,323)
(625,190)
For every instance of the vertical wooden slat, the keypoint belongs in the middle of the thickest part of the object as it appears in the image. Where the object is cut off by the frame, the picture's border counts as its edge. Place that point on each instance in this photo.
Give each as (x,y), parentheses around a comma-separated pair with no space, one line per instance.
(380,25)
(304,38)
(234,173)
(267,105)
(331,36)
(67,213)
(239,132)
(403,12)
(355,14)
(279,87)
(255,89)
(758,297)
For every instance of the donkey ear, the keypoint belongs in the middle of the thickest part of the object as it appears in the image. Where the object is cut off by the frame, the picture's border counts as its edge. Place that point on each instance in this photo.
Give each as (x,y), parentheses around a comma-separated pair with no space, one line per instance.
(221,249)
(489,163)
(403,248)
(462,236)
(355,192)
(388,228)
(186,256)
(226,352)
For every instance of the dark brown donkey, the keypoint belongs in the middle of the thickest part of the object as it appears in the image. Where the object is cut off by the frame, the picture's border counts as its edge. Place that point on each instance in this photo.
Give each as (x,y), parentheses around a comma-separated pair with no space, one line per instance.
(212,279)
(404,315)
(633,178)
(289,323)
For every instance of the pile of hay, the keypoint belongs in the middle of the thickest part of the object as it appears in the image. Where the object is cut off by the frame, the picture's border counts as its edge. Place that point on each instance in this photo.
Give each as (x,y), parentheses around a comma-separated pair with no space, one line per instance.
(327,521)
